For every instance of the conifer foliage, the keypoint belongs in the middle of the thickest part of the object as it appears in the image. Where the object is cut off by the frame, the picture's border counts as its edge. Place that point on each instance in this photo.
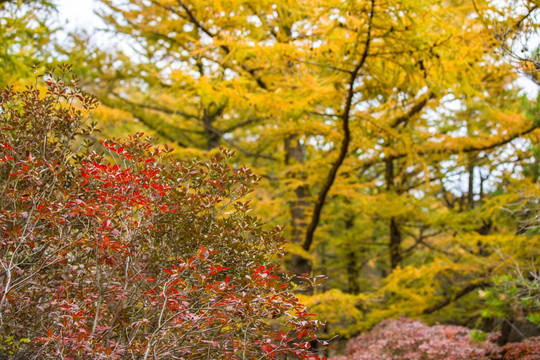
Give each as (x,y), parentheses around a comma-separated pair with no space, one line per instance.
(118,251)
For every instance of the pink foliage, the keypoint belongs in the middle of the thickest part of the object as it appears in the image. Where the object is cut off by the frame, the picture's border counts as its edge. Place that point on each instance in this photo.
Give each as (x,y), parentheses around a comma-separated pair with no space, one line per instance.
(528,349)
(406,339)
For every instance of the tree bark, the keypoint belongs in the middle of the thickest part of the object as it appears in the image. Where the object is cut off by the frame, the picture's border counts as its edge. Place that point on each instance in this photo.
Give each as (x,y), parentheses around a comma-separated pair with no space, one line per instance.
(395,234)
(352,266)
(395,244)
(295,153)
(212,136)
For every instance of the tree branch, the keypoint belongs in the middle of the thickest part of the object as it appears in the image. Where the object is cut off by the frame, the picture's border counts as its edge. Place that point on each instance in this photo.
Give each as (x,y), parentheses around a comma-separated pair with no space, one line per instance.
(403,119)
(160,109)
(324,66)
(243,123)
(195,21)
(160,131)
(240,148)
(466,290)
(439,149)
(225,48)
(315,218)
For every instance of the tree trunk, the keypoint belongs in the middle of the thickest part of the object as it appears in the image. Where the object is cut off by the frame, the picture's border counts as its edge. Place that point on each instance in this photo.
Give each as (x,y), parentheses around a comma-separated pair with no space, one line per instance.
(352,266)
(295,153)
(506,330)
(470,190)
(212,136)
(395,244)
(395,234)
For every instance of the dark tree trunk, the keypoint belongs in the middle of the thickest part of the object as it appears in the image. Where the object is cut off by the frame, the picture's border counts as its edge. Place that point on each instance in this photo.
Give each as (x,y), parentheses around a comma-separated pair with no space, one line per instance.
(395,234)
(211,134)
(395,244)
(295,153)
(352,265)
(506,330)
(470,191)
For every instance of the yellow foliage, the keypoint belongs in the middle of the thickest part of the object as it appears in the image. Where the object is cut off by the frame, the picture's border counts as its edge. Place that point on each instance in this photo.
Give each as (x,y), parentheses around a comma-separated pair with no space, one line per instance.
(340,311)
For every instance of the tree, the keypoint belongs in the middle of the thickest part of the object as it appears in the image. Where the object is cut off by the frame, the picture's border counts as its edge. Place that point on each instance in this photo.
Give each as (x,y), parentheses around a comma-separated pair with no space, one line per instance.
(25,35)
(515,27)
(120,251)
(362,121)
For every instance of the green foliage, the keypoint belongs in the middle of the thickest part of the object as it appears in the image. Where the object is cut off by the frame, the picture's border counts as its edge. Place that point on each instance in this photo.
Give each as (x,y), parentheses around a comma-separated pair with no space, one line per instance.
(515,295)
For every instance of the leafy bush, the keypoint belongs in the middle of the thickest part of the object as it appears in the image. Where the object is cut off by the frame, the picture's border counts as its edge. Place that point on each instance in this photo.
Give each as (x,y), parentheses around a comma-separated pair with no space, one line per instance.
(528,349)
(406,339)
(514,294)
(124,252)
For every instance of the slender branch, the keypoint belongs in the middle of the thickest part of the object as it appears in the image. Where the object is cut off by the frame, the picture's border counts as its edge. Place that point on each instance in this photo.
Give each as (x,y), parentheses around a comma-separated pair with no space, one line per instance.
(247,152)
(466,290)
(439,149)
(194,19)
(517,26)
(497,143)
(160,109)
(225,48)
(159,130)
(324,66)
(315,218)
(323,114)
(403,119)
(240,148)
(243,123)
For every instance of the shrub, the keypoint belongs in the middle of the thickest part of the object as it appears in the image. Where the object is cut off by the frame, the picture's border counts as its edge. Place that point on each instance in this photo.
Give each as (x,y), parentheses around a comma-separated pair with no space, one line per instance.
(528,349)
(121,251)
(406,339)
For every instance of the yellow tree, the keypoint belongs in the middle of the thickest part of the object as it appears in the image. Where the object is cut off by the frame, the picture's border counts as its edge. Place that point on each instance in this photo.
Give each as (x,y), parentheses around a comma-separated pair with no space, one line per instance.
(356,113)
(24,36)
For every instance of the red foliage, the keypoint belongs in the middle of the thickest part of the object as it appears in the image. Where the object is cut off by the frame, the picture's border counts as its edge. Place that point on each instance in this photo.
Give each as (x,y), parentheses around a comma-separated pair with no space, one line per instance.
(127,253)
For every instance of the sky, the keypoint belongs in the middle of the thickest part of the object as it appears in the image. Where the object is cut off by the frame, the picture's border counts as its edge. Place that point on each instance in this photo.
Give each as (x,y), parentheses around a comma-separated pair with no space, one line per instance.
(78,14)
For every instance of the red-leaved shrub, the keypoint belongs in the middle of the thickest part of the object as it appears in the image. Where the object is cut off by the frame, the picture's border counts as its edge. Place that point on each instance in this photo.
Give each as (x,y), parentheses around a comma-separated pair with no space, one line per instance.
(122,252)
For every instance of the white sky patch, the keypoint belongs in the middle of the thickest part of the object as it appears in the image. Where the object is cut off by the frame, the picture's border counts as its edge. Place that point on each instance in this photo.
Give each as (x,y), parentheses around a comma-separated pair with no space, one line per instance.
(529,87)
(78,15)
